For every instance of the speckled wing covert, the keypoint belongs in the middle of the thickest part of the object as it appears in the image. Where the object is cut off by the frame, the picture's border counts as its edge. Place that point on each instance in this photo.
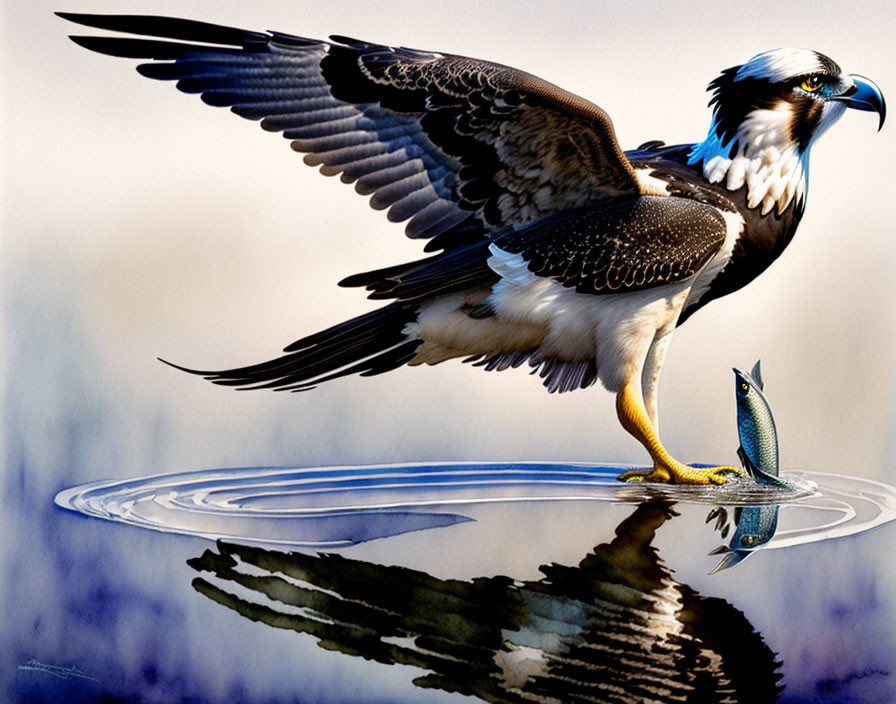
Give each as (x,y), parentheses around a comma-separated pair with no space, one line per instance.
(434,138)
(626,245)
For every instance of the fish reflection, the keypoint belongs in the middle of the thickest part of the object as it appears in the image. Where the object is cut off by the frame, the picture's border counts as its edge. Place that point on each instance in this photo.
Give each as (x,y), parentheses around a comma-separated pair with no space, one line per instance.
(617,627)
(754,527)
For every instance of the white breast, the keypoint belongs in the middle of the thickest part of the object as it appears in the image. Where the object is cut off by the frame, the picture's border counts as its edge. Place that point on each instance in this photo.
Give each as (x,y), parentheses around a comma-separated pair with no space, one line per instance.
(614,329)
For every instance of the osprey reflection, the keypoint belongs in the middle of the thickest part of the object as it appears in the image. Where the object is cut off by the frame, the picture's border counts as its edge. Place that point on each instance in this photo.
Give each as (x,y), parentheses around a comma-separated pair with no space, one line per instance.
(617,627)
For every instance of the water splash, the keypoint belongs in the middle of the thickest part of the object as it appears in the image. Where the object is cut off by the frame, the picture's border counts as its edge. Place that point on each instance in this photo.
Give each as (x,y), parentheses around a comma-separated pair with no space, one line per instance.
(338,506)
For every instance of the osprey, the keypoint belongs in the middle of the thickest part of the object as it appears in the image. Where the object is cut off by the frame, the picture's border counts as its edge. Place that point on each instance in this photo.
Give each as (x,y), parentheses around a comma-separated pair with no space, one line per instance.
(554,248)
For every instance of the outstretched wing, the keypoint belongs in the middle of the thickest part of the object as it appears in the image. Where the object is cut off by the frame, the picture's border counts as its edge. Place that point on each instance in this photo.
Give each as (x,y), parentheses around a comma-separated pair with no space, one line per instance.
(434,138)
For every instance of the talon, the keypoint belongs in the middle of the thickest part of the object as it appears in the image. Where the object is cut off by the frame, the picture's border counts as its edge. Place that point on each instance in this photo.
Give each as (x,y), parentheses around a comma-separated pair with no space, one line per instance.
(657,474)
(720,475)
(685,474)
(633,475)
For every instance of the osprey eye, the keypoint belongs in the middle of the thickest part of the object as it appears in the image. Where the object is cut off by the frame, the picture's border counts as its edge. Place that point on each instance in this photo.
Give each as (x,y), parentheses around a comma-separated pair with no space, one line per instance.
(811,84)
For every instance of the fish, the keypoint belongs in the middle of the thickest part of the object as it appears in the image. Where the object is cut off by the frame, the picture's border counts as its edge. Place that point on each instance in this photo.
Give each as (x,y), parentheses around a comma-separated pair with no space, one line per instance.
(756,428)
(758,451)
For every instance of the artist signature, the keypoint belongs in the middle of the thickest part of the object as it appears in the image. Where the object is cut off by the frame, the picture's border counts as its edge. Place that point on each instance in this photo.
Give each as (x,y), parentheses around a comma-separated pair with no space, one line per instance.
(57,671)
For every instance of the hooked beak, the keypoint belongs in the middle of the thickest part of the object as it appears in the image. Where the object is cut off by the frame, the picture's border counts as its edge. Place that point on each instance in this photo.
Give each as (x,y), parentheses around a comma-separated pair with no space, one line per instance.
(864,95)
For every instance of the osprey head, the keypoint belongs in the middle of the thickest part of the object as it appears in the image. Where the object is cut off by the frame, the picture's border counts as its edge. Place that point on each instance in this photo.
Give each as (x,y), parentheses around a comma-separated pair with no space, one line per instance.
(807,85)
(768,112)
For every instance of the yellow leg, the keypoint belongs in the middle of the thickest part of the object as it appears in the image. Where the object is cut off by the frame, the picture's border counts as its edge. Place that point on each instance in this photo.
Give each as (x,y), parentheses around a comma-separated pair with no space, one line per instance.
(634,418)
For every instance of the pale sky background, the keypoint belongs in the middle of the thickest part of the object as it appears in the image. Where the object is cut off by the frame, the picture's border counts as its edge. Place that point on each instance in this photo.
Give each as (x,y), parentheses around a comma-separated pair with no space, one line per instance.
(138,222)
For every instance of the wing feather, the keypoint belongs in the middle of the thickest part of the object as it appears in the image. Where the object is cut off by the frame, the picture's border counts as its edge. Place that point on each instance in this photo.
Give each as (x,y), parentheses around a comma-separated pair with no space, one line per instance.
(435,138)
(626,245)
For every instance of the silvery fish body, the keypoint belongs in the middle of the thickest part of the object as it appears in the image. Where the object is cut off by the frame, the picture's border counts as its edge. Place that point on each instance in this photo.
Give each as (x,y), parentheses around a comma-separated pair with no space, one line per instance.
(756,525)
(756,427)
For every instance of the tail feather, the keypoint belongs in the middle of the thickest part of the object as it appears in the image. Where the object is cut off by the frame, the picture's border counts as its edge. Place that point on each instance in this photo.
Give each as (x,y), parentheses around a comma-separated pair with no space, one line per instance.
(367,345)
(453,271)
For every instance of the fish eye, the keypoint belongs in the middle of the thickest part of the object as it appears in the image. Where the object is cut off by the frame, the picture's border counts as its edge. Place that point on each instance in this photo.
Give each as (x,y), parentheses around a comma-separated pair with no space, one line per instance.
(744,386)
(811,84)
